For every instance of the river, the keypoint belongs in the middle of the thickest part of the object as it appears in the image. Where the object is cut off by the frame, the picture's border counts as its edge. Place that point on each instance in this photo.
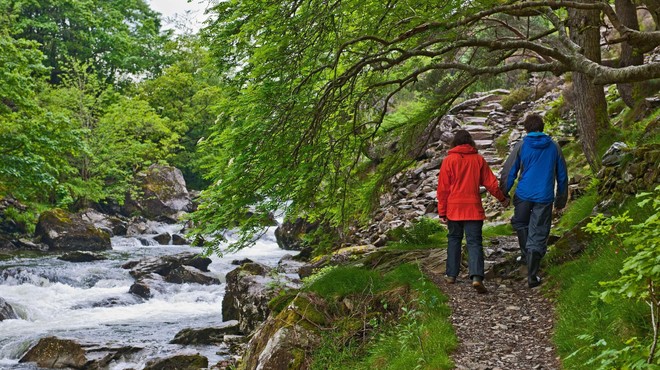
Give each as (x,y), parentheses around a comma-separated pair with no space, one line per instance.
(89,302)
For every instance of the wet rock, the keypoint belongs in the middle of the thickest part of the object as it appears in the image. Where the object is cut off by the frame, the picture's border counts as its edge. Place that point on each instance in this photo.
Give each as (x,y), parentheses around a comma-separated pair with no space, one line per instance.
(163,239)
(61,230)
(113,225)
(56,353)
(179,240)
(206,336)
(189,274)
(80,257)
(6,311)
(179,362)
(289,235)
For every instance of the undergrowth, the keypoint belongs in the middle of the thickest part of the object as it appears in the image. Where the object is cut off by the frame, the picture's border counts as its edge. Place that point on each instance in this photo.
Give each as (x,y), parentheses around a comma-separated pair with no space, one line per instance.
(405,323)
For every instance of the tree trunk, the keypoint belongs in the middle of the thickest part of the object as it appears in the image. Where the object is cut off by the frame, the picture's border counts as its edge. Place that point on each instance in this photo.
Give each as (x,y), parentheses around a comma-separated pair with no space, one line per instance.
(627,13)
(590,103)
(653,7)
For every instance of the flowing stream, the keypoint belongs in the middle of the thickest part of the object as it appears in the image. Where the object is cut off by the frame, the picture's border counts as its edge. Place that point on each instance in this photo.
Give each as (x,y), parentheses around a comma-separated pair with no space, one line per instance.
(89,302)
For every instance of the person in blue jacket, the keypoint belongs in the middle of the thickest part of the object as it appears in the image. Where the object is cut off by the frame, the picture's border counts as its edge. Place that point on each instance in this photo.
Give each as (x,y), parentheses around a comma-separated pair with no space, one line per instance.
(538,164)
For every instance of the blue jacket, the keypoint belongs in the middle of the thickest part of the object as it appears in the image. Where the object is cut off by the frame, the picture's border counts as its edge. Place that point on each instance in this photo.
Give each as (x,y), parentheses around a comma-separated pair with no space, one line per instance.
(540,162)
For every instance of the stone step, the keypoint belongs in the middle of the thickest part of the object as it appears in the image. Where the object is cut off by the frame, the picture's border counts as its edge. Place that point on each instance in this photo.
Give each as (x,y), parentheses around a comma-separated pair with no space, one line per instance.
(481,112)
(472,120)
(476,128)
(484,144)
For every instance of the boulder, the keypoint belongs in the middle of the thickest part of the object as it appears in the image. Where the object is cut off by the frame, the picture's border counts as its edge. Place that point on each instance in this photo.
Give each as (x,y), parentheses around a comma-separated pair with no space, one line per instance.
(64,231)
(6,311)
(55,353)
(165,264)
(113,225)
(163,238)
(249,289)
(163,193)
(284,340)
(179,362)
(206,336)
(77,256)
(289,235)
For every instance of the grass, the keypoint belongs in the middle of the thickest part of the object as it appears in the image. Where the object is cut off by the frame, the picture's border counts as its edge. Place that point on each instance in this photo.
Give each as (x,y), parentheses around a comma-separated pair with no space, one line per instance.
(493,230)
(421,335)
(580,312)
(577,211)
(425,233)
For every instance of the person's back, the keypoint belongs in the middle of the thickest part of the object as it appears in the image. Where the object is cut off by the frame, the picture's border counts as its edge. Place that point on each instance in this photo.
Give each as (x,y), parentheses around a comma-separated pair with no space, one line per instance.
(541,167)
(538,164)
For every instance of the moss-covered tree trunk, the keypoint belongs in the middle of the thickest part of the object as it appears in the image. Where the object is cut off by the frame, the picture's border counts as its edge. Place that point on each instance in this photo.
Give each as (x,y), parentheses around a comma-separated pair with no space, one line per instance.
(590,103)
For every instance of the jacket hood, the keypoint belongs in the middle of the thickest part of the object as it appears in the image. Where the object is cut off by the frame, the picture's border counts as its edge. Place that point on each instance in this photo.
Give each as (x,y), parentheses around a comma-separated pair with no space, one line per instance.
(538,140)
(463,149)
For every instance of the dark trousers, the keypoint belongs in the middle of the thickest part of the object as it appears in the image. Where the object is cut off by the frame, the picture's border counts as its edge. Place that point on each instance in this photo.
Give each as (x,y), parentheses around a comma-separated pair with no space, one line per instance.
(532,219)
(473,240)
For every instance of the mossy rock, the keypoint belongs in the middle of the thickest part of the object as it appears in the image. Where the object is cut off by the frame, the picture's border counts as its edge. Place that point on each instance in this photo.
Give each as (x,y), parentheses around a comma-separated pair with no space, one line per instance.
(55,353)
(180,362)
(65,231)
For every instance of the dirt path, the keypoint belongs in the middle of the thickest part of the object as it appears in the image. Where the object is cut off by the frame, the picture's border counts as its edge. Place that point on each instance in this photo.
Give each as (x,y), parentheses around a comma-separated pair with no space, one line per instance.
(508,328)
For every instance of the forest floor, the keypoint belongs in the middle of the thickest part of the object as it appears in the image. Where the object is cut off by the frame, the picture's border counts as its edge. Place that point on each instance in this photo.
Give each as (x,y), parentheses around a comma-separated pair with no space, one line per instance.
(508,328)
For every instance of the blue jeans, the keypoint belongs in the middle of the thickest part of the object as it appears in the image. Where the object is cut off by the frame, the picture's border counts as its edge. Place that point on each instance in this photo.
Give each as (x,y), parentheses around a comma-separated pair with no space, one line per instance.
(535,218)
(473,240)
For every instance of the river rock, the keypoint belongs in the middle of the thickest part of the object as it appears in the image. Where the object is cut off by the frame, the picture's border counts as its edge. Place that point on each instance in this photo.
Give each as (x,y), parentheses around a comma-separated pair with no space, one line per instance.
(6,311)
(61,230)
(55,353)
(206,336)
(165,264)
(111,224)
(78,256)
(164,193)
(179,362)
(290,235)
(163,238)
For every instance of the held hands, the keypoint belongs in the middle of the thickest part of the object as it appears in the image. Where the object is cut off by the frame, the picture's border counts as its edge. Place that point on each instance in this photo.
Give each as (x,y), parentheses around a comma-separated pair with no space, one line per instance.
(443,220)
(505,203)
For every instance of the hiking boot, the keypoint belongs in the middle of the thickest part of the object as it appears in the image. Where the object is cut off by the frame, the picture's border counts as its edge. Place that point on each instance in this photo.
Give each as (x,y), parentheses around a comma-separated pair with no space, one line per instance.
(450,279)
(534,281)
(533,265)
(479,286)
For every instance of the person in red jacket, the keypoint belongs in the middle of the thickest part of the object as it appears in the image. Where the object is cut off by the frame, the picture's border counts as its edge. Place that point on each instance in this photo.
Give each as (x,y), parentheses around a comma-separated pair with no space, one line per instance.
(462,172)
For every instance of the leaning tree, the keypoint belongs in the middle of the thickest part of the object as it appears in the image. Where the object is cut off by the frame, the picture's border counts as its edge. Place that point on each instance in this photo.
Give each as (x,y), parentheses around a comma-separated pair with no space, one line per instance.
(311,83)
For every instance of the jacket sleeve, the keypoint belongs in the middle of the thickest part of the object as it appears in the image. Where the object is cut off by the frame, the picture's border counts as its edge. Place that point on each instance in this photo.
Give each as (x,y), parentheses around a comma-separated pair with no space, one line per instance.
(510,169)
(489,181)
(562,179)
(444,183)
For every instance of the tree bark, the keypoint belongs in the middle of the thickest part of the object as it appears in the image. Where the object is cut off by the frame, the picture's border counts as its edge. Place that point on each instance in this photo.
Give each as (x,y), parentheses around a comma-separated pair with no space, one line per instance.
(590,103)
(627,13)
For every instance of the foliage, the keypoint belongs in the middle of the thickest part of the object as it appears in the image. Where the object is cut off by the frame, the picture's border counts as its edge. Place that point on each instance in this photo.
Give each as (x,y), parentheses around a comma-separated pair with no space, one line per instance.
(419,336)
(640,274)
(118,37)
(516,96)
(614,332)
(424,233)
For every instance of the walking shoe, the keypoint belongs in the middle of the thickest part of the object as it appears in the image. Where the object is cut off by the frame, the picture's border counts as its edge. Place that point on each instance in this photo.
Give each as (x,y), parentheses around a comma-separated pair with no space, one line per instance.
(450,279)
(479,286)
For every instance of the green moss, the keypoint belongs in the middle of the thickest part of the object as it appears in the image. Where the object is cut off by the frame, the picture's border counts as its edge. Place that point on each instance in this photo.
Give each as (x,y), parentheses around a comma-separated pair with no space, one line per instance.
(342,281)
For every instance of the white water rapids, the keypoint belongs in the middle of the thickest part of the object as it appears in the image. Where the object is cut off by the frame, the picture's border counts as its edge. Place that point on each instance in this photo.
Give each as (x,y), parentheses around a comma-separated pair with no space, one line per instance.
(89,302)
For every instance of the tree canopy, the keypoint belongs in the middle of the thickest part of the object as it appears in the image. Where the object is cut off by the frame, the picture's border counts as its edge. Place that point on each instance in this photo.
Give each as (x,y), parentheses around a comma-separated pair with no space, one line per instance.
(312,85)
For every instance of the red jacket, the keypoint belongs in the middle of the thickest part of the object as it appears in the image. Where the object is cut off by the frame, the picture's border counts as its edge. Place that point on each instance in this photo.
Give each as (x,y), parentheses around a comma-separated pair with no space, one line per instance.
(461,174)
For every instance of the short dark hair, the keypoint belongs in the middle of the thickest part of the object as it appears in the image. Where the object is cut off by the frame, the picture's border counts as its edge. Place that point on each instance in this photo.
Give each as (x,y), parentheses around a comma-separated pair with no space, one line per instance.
(533,123)
(462,137)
